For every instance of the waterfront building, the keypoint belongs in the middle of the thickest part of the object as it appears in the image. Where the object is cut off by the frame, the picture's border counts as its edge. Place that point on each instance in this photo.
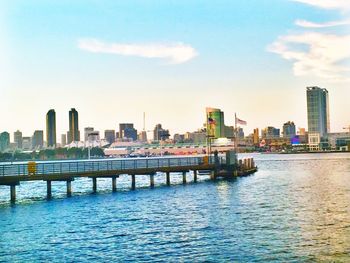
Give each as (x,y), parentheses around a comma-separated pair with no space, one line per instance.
(93,137)
(110,136)
(256,136)
(87,131)
(63,140)
(317,111)
(38,139)
(51,128)
(289,129)
(74,133)
(338,140)
(179,138)
(17,135)
(270,132)
(4,141)
(160,134)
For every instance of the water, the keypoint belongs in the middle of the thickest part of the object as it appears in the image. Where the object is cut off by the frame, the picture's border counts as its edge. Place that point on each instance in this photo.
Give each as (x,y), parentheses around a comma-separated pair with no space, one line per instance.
(295,208)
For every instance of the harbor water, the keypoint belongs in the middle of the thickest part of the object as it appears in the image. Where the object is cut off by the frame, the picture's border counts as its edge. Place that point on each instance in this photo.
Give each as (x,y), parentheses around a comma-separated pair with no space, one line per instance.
(295,208)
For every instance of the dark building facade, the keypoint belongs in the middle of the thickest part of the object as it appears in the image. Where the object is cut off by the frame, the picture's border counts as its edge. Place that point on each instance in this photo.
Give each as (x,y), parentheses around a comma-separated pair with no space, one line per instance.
(38,140)
(289,130)
(51,128)
(74,133)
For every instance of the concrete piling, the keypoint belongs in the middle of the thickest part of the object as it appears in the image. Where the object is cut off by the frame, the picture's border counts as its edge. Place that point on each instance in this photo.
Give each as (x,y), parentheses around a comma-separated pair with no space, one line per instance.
(183,177)
(133,182)
(168,178)
(114,184)
(151,176)
(48,190)
(94,184)
(195,176)
(69,188)
(13,193)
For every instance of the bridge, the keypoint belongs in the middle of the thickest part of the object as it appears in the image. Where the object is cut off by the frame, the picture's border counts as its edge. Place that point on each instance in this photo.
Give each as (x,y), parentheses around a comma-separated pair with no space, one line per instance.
(12,174)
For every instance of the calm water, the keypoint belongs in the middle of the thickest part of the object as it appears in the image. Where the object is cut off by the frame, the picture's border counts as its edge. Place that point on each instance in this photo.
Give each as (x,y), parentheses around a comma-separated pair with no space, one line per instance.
(295,208)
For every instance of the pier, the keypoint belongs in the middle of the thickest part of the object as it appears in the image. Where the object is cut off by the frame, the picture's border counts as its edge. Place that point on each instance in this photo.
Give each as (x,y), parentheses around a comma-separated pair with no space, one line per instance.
(52,171)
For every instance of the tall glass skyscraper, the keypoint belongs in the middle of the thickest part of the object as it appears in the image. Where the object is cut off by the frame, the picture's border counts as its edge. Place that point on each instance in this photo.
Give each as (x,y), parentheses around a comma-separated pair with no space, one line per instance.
(215,123)
(317,111)
(74,133)
(51,128)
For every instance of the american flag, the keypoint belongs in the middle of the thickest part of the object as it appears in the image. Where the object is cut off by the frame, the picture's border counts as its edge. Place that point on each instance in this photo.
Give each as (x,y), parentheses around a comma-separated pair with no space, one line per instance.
(241,122)
(211,121)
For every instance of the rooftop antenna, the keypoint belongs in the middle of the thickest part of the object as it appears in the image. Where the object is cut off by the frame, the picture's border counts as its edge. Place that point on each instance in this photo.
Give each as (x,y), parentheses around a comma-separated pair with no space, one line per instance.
(144,121)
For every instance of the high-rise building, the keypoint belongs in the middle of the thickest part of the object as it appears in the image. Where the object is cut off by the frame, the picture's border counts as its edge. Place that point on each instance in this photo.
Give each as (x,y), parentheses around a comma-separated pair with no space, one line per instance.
(17,135)
(4,141)
(74,133)
(63,140)
(215,123)
(51,128)
(110,136)
(256,136)
(317,111)
(27,143)
(142,136)
(122,127)
(38,140)
(270,132)
(160,134)
(289,129)
(127,131)
(87,131)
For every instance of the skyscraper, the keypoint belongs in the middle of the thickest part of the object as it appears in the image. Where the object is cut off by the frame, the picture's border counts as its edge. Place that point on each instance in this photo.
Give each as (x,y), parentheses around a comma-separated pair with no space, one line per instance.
(110,136)
(63,140)
(215,123)
(289,129)
(160,134)
(17,135)
(317,111)
(38,140)
(4,141)
(74,133)
(51,128)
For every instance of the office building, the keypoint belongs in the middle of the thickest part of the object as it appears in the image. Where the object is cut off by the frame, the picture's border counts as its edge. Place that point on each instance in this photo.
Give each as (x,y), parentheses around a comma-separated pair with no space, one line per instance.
(74,133)
(38,140)
(17,135)
(256,137)
(142,136)
(270,132)
(317,111)
(289,129)
(27,143)
(110,136)
(160,134)
(63,140)
(87,131)
(51,128)
(215,123)
(4,141)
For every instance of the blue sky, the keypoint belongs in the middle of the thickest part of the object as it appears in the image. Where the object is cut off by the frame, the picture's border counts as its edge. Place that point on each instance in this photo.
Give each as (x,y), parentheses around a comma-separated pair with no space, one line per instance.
(170,59)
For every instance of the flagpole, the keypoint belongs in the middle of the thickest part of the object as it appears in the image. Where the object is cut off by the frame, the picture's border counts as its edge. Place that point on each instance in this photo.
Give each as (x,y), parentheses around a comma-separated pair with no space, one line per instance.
(235,133)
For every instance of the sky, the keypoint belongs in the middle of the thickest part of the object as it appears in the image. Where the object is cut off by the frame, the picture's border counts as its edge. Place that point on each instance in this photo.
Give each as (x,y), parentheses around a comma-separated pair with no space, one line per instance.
(114,60)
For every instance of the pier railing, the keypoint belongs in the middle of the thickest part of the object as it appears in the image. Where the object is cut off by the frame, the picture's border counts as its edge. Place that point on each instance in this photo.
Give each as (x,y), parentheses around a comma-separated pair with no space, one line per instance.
(85,166)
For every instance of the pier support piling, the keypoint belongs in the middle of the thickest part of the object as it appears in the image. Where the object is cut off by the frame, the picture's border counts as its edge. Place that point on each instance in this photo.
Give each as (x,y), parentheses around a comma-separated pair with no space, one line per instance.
(133,182)
(168,178)
(69,188)
(114,184)
(183,177)
(13,193)
(48,191)
(212,175)
(195,176)
(151,177)
(94,184)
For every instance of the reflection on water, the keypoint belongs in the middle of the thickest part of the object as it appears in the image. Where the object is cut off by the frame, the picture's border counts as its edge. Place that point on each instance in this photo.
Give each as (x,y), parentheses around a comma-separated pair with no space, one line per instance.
(295,208)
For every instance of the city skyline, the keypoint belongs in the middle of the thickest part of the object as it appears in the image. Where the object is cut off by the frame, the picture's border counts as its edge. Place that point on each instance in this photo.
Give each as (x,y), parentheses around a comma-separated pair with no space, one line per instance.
(204,58)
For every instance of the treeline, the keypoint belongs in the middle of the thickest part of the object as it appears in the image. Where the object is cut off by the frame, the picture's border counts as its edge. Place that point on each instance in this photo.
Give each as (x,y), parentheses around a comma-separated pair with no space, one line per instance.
(52,154)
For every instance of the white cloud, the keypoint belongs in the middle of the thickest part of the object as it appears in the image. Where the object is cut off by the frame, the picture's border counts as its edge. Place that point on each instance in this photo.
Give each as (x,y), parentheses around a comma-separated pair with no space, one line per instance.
(328,4)
(325,55)
(175,53)
(308,24)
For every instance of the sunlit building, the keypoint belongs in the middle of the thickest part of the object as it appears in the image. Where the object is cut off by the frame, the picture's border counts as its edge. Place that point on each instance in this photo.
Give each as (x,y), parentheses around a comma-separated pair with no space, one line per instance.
(74,133)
